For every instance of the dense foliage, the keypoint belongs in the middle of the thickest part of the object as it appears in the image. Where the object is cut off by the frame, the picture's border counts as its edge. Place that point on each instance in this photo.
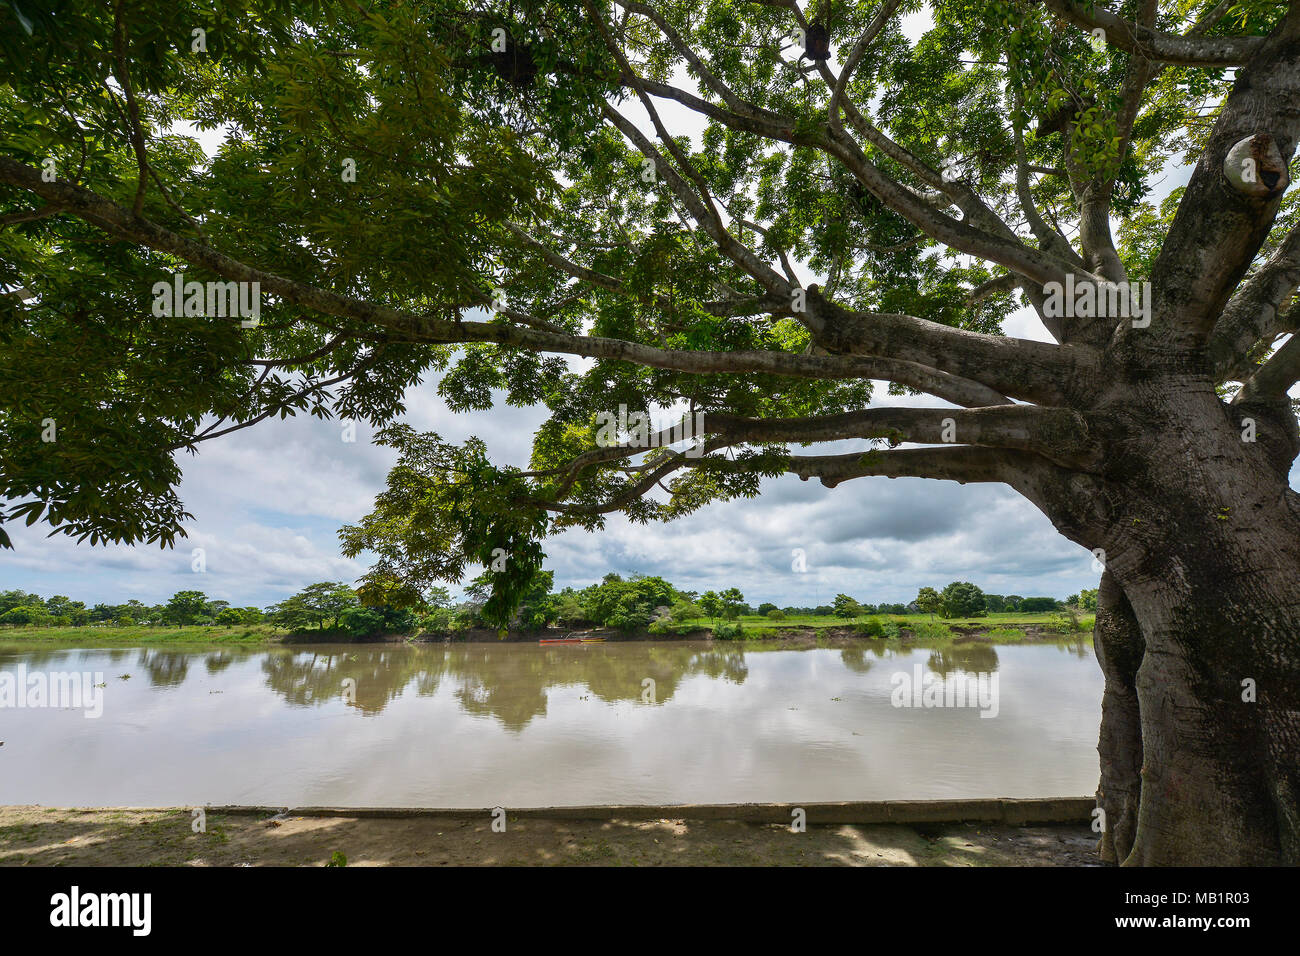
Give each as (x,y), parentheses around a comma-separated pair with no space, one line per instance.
(402,156)
(637,602)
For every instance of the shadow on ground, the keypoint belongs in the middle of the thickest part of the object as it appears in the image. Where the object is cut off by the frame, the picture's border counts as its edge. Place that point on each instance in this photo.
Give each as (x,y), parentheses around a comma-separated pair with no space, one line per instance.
(37,836)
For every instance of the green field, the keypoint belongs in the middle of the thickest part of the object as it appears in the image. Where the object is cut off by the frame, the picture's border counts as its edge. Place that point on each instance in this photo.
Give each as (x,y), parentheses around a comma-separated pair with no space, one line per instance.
(1004,628)
(134,635)
(1007,627)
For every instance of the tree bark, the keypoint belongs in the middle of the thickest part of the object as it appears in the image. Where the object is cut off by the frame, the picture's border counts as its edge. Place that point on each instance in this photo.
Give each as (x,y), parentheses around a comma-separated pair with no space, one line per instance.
(1217,697)
(1117,640)
(1220,729)
(1198,634)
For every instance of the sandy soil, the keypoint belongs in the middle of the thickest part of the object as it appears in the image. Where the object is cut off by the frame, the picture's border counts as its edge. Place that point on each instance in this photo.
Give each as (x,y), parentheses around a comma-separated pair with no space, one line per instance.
(39,836)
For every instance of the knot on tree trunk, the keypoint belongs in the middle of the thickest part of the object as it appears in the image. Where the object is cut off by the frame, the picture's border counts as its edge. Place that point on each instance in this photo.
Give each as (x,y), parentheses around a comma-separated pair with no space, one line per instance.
(1255,167)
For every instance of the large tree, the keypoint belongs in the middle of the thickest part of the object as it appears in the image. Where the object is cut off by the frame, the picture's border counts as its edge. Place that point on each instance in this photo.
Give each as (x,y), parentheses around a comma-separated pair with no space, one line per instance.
(749,210)
(186,607)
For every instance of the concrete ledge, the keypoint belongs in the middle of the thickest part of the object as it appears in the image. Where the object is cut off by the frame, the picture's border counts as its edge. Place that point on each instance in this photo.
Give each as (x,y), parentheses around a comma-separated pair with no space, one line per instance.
(1015,812)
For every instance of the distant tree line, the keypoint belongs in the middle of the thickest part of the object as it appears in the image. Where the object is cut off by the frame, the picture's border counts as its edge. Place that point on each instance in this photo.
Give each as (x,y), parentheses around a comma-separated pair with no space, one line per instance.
(22,609)
(639,601)
(963,599)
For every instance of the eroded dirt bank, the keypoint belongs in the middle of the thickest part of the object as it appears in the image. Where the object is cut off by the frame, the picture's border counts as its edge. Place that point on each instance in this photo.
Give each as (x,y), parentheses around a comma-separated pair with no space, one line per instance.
(40,836)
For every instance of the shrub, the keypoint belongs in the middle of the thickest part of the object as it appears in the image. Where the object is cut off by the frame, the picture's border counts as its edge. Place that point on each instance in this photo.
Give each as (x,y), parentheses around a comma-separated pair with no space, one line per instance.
(1066,621)
(684,610)
(729,631)
(437,621)
(568,607)
(870,628)
(1006,634)
(362,621)
(26,615)
(776,614)
(367,621)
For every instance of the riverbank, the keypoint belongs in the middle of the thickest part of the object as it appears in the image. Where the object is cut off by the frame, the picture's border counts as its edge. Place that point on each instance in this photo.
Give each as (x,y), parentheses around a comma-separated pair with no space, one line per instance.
(40,836)
(767,637)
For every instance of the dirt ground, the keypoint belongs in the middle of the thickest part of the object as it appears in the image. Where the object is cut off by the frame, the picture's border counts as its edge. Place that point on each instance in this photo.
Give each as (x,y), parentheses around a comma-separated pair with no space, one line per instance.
(40,836)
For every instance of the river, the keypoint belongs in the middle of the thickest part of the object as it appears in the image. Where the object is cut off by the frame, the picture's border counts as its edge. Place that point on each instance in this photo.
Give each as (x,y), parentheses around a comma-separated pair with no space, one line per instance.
(518,725)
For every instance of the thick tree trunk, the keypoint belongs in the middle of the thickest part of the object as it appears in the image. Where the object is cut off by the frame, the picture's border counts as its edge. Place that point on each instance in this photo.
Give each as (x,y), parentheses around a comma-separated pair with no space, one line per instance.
(1117,640)
(1200,735)
(1198,634)
(1216,694)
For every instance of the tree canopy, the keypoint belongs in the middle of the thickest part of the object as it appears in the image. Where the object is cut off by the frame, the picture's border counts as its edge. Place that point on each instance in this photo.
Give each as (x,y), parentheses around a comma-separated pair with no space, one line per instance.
(382,172)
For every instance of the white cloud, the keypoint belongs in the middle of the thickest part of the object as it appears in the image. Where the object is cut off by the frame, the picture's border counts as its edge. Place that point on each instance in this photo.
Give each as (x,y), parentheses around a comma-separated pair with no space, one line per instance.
(268,502)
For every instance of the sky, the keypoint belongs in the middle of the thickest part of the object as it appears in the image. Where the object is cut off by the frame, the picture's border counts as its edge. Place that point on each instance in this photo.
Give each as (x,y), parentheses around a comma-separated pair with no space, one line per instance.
(268,502)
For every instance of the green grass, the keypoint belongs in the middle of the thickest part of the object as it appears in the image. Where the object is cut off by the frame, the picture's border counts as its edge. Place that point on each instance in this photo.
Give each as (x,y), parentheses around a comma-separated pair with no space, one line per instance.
(926,631)
(1009,619)
(1007,627)
(244,634)
(1002,619)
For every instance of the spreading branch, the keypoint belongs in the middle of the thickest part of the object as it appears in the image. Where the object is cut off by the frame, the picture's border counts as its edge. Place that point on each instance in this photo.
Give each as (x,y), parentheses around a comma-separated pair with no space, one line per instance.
(1252,315)
(1155,44)
(1275,376)
(951,349)
(1059,434)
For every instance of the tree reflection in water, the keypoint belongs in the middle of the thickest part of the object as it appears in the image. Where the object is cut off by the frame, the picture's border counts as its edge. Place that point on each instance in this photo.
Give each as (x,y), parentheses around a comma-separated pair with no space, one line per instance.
(510,683)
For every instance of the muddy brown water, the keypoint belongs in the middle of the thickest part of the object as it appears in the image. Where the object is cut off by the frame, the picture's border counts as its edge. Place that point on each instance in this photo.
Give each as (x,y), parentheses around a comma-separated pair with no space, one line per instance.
(526,726)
